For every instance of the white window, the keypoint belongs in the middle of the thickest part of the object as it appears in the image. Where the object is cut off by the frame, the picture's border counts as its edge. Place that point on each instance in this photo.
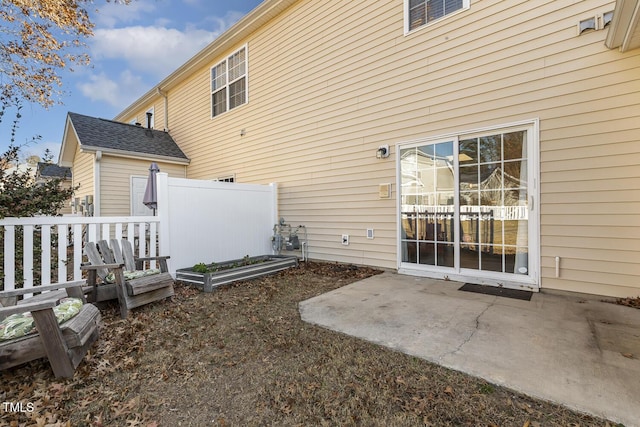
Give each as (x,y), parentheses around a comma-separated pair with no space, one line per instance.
(422,12)
(229,83)
(228,178)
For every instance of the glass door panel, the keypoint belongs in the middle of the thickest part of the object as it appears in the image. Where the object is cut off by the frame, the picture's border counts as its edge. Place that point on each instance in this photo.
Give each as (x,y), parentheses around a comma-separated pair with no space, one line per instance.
(427,204)
(464,204)
(493,203)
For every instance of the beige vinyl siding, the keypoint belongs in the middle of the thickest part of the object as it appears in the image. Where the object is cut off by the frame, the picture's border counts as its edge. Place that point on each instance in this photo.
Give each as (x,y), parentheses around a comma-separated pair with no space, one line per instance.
(158,114)
(82,173)
(329,83)
(115,181)
(66,208)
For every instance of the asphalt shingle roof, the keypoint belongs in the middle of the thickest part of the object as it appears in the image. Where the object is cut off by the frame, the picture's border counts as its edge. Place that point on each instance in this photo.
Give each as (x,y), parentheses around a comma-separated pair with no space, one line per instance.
(51,170)
(108,134)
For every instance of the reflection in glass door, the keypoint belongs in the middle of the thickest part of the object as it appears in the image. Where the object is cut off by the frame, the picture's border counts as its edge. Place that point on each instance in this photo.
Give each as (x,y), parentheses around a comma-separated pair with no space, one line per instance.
(428,197)
(493,203)
(464,205)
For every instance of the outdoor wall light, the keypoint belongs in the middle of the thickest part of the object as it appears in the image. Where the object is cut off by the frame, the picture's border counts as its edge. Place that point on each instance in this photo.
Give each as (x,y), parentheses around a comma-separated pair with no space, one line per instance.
(383,152)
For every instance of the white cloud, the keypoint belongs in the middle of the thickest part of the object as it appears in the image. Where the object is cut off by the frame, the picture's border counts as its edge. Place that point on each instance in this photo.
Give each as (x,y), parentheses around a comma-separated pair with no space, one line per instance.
(40,148)
(126,57)
(117,93)
(154,50)
(112,13)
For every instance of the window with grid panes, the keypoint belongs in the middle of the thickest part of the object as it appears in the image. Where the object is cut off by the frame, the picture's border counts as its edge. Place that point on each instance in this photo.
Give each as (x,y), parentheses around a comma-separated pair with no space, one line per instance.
(422,12)
(229,83)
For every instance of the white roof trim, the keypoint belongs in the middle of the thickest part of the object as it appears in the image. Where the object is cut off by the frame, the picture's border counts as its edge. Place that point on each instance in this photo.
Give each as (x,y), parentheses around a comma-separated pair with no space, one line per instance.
(624,26)
(133,155)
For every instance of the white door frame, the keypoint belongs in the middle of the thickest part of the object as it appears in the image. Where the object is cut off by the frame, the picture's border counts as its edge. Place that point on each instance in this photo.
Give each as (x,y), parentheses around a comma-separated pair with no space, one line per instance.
(137,186)
(531,281)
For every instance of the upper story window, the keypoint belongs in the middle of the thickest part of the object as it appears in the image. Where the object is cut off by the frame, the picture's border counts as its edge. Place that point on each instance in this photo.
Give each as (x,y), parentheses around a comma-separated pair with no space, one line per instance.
(423,12)
(230,178)
(229,83)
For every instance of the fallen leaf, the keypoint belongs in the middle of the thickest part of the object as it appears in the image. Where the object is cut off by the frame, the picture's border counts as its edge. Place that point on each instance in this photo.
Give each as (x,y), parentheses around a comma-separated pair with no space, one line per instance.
(449,390)
(628,355)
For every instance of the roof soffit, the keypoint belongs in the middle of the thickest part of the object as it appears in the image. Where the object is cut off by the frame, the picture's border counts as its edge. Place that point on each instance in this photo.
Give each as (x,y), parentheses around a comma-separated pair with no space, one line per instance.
(69,143)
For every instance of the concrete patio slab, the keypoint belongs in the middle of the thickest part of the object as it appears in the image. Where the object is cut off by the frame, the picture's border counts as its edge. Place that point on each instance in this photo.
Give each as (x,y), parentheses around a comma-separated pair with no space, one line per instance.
(571,349)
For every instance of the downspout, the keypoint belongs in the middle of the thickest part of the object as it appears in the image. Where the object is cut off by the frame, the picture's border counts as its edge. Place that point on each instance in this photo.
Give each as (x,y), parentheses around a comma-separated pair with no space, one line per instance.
(166,109)
(96,184)
(166,116)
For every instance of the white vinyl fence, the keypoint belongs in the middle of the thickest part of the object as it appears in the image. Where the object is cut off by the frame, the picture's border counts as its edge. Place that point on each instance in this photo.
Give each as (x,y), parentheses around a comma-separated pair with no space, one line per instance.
(44,250)
(208,221)
(198,221)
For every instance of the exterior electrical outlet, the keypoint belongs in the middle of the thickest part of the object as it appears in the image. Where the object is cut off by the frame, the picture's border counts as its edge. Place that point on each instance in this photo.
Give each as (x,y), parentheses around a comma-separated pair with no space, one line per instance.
(345,239)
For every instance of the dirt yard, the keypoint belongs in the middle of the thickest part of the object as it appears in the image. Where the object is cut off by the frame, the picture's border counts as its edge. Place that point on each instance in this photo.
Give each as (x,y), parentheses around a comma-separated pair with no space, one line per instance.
(241,356)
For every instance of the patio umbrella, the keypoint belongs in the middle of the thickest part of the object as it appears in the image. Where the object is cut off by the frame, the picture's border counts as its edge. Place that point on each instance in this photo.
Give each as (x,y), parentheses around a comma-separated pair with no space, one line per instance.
(150,198)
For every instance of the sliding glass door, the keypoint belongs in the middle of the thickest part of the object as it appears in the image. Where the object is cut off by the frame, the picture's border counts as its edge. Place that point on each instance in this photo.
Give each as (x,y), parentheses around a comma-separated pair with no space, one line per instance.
(465,206)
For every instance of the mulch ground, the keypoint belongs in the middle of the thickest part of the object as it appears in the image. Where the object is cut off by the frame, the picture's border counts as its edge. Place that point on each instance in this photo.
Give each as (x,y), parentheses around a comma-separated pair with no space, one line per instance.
(241,356)
(629,302)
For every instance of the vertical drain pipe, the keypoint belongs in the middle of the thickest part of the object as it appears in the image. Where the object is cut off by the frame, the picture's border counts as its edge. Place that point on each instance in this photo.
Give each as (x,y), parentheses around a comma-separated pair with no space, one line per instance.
(166,109)
(97,184)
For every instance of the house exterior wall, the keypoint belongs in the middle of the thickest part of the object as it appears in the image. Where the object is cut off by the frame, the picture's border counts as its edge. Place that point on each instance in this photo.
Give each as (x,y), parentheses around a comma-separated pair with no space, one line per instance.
(329,83)
(115,181)
(66,209)
(83,172)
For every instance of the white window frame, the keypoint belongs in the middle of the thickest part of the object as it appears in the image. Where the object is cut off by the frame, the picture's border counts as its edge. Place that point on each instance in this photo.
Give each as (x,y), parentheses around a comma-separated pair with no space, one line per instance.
(227,178)
(227,84)
(466,4)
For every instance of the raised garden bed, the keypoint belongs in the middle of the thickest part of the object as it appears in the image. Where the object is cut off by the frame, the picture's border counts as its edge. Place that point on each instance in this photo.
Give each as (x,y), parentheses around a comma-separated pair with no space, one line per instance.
(208,276)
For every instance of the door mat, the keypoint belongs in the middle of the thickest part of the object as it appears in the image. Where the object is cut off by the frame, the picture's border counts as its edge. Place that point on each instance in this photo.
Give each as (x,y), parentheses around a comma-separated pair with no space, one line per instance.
(497,291)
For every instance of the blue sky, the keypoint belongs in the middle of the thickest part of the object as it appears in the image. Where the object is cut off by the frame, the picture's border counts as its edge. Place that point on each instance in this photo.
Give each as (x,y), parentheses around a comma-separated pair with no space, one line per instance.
(134,47)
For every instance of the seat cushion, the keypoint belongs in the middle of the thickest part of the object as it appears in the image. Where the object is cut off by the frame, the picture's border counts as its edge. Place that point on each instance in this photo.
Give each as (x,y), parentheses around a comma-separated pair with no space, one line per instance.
(21,324)
(130,275)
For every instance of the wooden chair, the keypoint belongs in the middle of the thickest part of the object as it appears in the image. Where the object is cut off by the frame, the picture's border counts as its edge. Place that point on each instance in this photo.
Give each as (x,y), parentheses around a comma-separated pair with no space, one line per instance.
(64,345)
(123,253)
(113,264)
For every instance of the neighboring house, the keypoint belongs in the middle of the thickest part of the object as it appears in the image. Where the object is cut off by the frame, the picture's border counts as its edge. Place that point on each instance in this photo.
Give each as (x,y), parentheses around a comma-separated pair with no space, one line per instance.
(110,162)
(48,171)
(521,117)
(29,167)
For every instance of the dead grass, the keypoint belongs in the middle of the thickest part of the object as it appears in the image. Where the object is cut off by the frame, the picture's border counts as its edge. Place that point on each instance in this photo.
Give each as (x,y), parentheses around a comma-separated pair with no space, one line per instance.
(242,356)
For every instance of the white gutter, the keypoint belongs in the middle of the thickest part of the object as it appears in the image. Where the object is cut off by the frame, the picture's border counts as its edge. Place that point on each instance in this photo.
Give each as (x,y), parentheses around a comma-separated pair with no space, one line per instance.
(166,109)
(626,18)
(131,155)
(96,183)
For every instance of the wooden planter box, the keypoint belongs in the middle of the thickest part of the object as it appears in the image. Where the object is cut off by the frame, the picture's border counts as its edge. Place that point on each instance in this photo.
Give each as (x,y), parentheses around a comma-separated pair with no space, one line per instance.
(235,270)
